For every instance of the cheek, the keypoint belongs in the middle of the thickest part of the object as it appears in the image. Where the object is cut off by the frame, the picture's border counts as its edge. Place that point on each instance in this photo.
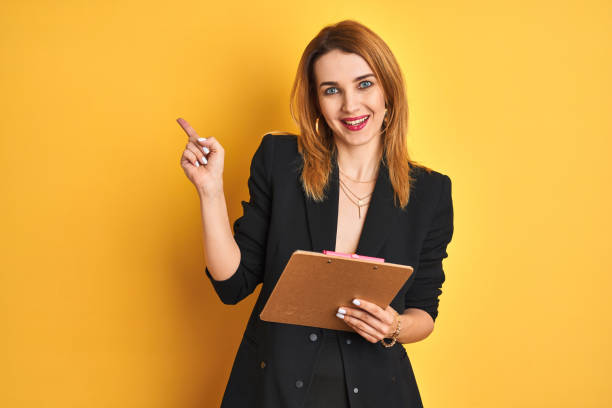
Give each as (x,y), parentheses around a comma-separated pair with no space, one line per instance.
(327,108)
(376,99)
(378,102)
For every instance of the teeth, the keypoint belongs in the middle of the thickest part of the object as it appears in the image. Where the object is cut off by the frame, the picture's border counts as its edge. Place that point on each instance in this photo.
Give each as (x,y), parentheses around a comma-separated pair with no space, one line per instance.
(355,122)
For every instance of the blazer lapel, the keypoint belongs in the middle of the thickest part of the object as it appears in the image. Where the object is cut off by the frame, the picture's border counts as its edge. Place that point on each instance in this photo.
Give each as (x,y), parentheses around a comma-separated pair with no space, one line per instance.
(381,215)
(323,215)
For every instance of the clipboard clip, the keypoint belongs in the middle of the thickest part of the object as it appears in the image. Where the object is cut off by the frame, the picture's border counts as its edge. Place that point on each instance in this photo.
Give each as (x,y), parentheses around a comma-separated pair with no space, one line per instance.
(354,256)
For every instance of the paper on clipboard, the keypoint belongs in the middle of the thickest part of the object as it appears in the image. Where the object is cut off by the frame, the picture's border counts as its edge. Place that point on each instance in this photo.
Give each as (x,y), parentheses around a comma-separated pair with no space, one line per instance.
(313,285)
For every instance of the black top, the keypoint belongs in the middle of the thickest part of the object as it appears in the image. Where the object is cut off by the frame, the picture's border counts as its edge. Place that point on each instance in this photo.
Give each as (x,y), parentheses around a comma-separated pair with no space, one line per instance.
(275,363)
(328,387)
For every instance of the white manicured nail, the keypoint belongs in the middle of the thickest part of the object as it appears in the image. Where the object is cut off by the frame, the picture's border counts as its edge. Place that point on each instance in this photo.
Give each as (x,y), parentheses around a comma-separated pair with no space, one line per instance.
(341,310)
(205,150)
(340,315)
(204,160)
(201,139)
(197,163)
(356,302)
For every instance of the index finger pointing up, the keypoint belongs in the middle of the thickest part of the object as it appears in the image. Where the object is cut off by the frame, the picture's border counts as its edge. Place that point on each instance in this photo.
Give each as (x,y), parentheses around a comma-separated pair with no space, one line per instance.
(187,128)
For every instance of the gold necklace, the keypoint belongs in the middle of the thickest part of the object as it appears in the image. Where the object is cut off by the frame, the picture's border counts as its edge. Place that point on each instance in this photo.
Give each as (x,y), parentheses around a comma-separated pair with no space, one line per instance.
(356,181)
(360,200)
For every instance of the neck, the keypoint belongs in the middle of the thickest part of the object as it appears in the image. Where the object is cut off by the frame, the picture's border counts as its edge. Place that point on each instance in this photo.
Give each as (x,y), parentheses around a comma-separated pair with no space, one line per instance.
(360,162)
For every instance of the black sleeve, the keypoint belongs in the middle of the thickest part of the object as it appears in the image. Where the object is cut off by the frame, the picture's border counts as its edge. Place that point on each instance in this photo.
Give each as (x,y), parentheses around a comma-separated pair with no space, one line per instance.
(251,229)
(429,275)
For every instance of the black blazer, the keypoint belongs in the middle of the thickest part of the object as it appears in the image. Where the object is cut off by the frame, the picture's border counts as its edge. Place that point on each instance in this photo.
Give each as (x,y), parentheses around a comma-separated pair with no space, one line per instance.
(274,362)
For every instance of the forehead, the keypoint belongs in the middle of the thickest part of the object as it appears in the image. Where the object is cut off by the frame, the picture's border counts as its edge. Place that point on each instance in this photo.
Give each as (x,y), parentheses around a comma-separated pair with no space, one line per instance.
(339,66)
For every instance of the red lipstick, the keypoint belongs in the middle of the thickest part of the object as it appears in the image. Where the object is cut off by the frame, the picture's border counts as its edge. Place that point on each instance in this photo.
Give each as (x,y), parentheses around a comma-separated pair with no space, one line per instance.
(357,123)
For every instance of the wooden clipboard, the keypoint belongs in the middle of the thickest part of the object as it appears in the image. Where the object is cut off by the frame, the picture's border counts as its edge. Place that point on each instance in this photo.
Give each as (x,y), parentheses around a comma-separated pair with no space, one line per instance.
(313,285)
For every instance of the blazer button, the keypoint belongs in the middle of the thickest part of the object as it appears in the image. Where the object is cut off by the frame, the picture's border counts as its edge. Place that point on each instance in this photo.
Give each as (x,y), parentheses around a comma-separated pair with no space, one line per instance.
(356,390)
(299,384)
(348,341)
(263,364)
(313,337)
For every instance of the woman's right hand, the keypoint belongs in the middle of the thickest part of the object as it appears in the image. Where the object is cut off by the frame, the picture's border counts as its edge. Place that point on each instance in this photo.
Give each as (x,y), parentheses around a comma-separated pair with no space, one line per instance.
(202,161)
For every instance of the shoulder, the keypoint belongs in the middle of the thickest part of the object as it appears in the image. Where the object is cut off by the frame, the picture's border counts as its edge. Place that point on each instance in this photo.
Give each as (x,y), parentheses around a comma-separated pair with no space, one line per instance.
(276,157)
(284,143)
(429,184)
(278,150)
(426,175)
(275,144)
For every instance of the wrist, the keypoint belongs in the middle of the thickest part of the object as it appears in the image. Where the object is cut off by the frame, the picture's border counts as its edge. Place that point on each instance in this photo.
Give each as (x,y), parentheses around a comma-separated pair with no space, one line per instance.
(411,328)
(393,327)
(211,193)
(394,336)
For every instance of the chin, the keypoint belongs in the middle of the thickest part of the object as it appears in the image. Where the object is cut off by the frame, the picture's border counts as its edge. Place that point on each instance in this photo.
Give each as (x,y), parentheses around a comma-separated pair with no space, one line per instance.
(356,140)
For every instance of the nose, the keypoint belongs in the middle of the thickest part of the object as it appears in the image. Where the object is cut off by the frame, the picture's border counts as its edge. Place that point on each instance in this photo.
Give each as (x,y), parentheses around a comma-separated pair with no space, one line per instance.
(351,102)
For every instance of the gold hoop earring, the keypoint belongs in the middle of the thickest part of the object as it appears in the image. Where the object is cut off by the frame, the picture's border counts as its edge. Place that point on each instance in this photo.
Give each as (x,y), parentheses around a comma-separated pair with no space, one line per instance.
(385,120)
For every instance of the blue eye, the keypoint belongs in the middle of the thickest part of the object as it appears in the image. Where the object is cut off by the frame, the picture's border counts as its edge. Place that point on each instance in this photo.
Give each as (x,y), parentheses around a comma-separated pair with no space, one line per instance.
(333,90)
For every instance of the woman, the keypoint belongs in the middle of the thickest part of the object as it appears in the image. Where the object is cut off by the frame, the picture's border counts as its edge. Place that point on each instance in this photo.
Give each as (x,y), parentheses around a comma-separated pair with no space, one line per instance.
(345,183)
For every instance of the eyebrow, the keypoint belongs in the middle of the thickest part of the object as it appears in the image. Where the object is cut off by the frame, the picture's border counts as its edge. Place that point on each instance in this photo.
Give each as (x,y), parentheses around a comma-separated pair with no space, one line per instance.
(354,80)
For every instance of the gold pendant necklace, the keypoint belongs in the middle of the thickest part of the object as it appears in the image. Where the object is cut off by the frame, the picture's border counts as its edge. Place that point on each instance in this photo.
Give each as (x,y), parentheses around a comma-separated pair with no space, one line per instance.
(360,202)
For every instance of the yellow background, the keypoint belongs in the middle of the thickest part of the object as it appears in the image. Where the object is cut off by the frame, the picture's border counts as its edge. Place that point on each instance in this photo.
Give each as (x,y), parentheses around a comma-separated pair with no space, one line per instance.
(103,297)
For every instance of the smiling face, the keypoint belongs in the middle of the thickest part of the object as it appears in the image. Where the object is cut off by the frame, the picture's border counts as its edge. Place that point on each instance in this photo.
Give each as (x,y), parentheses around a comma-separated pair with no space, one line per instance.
(351,98)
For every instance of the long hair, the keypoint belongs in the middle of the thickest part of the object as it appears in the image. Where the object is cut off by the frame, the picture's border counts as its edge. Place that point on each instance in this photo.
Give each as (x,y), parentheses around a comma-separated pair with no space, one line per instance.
(318,148)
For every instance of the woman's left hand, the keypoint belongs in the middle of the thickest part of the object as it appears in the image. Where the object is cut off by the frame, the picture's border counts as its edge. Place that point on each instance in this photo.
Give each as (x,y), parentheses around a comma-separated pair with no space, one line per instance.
(369,320)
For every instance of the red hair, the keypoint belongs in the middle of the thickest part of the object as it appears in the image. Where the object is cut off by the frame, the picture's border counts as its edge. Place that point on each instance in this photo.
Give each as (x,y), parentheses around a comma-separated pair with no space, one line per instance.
(317,148)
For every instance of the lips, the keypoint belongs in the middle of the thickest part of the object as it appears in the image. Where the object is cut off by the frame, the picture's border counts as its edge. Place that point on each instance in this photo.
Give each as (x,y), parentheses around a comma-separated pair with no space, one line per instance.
(356,123)
(346,120)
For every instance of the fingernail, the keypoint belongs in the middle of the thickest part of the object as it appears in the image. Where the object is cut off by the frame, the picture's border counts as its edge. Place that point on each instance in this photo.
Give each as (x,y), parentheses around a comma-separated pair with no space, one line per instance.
(201,139)
(204,160)
(340,315)
(356,302)
(197,163)
(341,310)
(205,150)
